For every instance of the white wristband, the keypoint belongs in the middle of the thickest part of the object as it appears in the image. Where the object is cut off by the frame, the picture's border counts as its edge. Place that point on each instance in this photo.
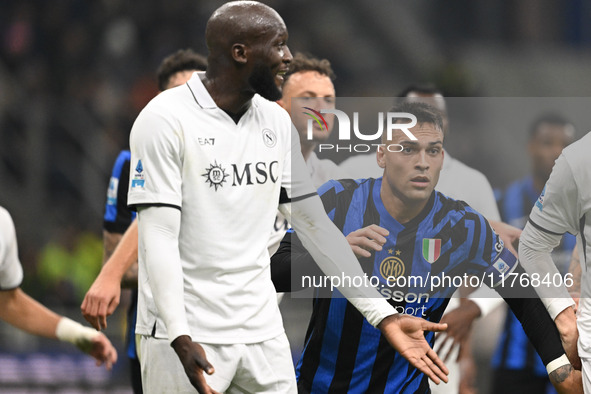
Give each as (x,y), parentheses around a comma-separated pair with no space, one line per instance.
(70,331)
(555,364)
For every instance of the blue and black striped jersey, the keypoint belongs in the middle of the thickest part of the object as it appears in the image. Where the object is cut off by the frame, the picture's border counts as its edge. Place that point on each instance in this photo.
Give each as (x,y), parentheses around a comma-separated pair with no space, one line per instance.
(514,350)
(343,352)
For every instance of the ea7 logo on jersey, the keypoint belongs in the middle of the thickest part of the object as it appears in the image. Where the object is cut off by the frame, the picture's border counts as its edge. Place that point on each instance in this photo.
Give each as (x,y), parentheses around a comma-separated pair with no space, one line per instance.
(215,175)
(206,141)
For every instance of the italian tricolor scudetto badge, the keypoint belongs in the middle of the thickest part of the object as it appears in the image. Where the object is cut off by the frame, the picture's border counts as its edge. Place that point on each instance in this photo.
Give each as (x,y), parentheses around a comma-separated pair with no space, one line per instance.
(431,249)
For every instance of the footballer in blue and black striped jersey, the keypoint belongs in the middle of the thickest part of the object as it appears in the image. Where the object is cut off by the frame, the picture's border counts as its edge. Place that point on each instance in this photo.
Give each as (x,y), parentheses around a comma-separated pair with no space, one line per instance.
(431,242)
(446,238)
(343,353)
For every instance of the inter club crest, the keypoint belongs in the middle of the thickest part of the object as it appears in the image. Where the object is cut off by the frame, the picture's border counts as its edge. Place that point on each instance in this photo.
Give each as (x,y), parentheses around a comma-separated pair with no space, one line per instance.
(431,249)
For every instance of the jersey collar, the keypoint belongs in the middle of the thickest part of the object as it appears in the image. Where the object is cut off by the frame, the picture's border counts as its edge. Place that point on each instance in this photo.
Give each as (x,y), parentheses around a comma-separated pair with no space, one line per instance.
(200,94)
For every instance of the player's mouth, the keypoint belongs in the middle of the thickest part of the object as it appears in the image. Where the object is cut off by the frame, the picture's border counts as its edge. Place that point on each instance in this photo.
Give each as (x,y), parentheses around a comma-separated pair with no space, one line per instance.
(420,181)
(281,75)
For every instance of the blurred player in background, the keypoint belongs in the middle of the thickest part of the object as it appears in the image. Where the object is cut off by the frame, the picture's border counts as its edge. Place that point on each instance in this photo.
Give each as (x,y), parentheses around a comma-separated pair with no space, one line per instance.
(308,83)
(174,70)
(517,366)
(343,353)
(21,311)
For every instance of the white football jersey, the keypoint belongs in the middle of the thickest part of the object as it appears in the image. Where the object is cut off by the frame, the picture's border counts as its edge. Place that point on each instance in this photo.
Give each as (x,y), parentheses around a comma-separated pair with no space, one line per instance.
(11,271)
(565,206)
(226,179)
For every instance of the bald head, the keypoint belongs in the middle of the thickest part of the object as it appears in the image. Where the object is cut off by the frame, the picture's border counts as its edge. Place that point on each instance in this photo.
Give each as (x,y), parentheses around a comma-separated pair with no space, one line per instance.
(240,22)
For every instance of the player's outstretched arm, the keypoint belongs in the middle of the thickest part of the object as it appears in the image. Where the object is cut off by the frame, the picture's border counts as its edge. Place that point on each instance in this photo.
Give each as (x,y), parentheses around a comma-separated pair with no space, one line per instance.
(406,334)
(103,297)
(21,311)
(194,362)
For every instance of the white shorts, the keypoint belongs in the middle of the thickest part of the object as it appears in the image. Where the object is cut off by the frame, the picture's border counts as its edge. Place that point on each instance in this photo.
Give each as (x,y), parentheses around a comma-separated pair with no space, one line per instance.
(264,367)
(586,372)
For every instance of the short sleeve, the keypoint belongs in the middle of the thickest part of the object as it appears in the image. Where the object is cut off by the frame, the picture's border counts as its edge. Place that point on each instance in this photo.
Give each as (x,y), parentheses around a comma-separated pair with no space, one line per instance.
(556,210)
(295,180)
(156,159)
(11,271)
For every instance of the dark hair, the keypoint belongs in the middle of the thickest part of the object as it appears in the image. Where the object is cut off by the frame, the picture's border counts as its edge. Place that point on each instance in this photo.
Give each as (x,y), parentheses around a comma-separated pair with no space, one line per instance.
(424,113)
(420,88)
(547,118)
(181,60)
(302,62)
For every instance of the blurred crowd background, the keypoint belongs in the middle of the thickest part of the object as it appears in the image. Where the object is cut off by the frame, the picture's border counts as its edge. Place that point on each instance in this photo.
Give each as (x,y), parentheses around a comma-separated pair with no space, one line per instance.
(74,75)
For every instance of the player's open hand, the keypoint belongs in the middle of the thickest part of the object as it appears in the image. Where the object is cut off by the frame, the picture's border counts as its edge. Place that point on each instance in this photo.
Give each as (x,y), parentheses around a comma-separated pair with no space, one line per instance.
(101,300)
(459,324)
(367,239)
(194,361)
(406,335)
(103,351)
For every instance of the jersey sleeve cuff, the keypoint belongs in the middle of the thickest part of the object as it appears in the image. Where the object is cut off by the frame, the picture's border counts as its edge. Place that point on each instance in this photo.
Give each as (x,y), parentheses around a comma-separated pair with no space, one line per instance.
(557,305)
(555,364)
(486,300)
(176,330)
(374,309)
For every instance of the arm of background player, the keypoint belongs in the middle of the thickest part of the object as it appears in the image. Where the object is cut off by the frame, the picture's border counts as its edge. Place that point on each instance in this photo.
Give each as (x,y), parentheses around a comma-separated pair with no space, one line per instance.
(291,263)
(102,298)
(110,242)
(534,254)
(23,312)
(332,253)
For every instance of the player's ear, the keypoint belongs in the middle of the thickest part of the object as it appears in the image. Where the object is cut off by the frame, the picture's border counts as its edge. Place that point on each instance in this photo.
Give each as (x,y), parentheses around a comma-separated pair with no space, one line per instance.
(240,53)
(380,157)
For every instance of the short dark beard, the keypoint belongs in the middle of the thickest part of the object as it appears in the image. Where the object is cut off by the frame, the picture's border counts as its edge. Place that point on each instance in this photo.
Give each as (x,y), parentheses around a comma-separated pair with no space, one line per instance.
(262,81)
